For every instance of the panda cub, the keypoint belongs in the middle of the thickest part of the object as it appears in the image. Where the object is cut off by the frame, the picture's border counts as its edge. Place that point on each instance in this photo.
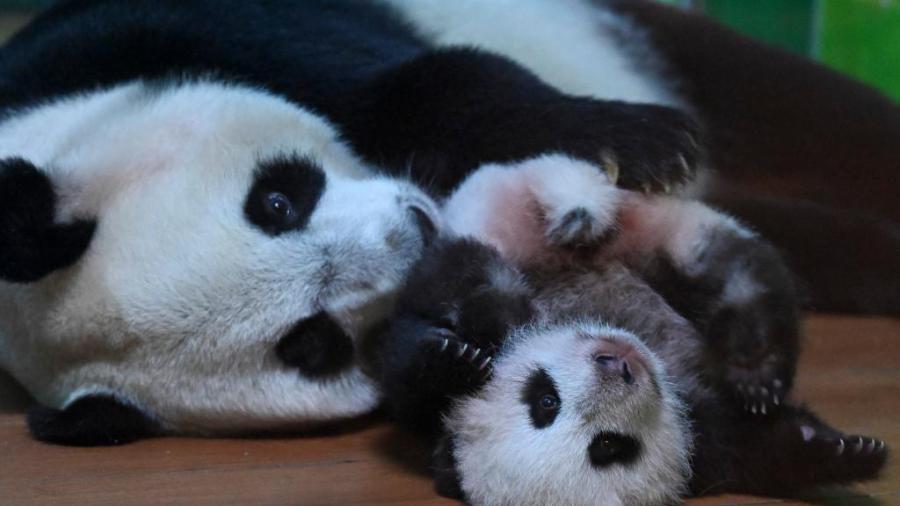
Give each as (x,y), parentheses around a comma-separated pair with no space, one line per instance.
(498,348)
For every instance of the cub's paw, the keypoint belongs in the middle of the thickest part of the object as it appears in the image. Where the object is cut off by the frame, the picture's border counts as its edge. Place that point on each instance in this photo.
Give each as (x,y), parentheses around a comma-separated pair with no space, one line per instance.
(578,204)
(443,350)
(842,458)
(759,396)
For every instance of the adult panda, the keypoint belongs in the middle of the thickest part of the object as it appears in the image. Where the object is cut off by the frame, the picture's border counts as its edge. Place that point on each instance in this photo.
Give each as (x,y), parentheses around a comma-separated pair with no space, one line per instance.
(197,196)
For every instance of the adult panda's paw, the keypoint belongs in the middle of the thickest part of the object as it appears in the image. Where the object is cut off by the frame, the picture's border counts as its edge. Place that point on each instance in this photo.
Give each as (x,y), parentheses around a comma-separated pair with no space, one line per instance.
(649,148)
(93,420)
(32,244)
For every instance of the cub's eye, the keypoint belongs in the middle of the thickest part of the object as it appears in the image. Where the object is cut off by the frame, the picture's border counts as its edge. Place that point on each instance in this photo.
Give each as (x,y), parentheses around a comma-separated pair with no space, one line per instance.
(549,402)
(278,206)
(540,396)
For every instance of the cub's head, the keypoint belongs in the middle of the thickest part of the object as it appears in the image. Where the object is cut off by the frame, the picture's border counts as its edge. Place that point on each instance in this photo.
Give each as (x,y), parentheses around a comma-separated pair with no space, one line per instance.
(228,251)
(573,414)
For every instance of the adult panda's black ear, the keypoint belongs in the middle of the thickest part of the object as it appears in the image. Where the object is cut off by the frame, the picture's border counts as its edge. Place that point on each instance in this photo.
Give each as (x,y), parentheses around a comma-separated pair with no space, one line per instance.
(447,481)
(93,420)
(32,244)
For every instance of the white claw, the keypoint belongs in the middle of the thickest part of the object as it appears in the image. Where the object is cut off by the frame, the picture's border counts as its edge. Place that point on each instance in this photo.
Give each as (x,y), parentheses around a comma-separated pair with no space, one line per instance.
(462,351)
(859,445)
(485,363)
(871,446)
(444,345)
(753,409)
(683,162)
(610,165)
(777,383)
(840,450)
(880,445)
(475,354)
(763,410)
(776,400)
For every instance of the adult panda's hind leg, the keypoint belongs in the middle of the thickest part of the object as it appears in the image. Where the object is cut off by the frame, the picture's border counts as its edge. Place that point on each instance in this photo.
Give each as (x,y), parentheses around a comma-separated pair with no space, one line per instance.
(32,244)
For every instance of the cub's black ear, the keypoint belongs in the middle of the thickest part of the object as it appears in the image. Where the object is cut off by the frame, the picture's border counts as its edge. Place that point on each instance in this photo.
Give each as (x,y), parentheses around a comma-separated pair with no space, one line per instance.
(447,481)
(32,245)
(93,420)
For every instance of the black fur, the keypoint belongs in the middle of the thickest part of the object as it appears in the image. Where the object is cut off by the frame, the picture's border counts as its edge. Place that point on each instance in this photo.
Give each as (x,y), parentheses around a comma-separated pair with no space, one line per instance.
(733,452)
(443,467)
(94,420)
(753,346)
(433,115)
(540,395)
(317,346)
(609,448)
(297,182)
(772,457)
(446,329)
(32,244)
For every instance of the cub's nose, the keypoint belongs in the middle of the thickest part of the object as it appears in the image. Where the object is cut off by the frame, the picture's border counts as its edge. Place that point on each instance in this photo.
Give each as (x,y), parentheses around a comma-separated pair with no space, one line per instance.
(426,226)
(616,359)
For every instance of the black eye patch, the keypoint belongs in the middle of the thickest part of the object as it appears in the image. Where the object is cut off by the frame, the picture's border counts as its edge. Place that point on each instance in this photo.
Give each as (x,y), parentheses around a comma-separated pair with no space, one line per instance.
(284,194)
(609,448)
(542,399)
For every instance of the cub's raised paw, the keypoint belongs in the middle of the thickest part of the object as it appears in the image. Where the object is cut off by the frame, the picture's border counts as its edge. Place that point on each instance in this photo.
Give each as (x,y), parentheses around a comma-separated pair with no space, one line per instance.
(844,458)
(447,352)
(760,398)
(577,203)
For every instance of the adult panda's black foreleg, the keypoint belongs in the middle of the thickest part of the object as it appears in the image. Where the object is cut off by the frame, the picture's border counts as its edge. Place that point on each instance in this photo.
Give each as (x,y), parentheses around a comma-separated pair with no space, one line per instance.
(785,455)
(32,243)
(445,112)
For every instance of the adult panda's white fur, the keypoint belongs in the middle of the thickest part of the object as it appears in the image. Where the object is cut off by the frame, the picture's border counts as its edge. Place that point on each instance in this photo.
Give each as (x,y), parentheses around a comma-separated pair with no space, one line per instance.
(504,459)
(179,302)
(578,46)
(143,139)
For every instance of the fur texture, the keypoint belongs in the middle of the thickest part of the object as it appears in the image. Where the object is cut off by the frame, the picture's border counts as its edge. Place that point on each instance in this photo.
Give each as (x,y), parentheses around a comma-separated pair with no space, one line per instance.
(734,373)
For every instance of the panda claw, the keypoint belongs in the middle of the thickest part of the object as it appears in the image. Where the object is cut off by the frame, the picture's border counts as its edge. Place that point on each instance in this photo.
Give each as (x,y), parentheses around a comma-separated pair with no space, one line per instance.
(475,353)
(776,400)
(462,350)
(485,363)
(777,383)
(840,448)
(444,345)
(859,445)
(610,166)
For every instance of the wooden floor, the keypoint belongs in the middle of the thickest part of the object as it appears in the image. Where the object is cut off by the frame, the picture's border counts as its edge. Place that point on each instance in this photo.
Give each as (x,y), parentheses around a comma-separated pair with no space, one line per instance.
(850,373)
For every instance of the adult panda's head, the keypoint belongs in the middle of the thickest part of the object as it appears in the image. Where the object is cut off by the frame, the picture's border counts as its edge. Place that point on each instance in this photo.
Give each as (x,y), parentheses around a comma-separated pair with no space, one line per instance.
(192,257)
(577,413)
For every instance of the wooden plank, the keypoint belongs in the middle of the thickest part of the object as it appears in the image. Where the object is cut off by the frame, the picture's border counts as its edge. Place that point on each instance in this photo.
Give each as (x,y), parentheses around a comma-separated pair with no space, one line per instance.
(850,373)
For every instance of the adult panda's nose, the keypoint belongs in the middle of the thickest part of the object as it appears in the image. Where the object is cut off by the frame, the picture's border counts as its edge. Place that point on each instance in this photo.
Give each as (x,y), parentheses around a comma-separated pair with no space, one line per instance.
(425,224)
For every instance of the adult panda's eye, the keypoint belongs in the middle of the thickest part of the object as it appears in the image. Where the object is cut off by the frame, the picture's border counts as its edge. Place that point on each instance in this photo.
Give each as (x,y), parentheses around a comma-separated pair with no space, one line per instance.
(278,206)
(284,195)
(549,402)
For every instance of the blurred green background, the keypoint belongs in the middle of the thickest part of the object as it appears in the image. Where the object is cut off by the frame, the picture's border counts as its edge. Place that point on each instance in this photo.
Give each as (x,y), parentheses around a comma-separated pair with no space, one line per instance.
(859,37)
